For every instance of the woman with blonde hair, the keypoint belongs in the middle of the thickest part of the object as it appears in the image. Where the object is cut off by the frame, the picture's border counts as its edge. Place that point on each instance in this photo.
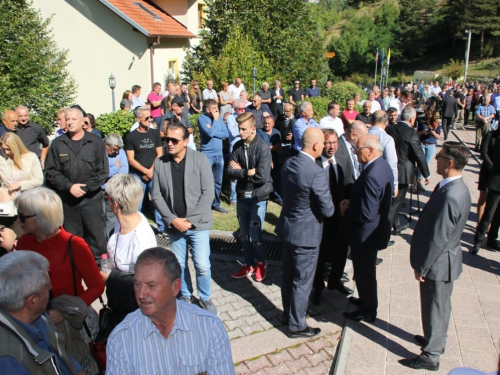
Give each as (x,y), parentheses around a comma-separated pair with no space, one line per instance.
(195,97)
(225,100)
(20,170)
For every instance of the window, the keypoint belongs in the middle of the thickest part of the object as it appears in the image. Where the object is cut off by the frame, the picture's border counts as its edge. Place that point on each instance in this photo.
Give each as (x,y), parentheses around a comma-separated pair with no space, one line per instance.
(172,72)
(148,11)
(201,16)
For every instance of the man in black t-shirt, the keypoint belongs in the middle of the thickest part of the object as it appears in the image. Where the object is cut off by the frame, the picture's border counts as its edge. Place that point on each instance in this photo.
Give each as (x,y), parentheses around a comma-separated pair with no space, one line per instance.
(459,95)
(295,94)
(143,147)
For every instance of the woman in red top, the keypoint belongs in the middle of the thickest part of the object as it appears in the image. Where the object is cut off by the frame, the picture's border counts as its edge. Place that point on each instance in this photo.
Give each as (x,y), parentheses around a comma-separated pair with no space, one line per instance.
(40,213)
(349,113)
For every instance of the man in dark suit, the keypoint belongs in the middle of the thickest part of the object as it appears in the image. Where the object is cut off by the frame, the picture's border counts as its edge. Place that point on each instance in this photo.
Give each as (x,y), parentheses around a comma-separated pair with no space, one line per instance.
(333,246)
(409,150)
(368,226)
(307,201)
(284,124)
(449,111)
(277,99)
(436,254)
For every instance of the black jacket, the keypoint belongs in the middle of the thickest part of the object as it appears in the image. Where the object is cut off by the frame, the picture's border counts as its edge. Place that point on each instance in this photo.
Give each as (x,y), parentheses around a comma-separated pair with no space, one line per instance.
(63,167)
(450,107)
(285,129)
(409,150)
(259,157)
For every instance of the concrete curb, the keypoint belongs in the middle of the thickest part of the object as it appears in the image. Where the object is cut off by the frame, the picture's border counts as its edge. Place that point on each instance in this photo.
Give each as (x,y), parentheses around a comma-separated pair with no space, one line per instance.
(343,350)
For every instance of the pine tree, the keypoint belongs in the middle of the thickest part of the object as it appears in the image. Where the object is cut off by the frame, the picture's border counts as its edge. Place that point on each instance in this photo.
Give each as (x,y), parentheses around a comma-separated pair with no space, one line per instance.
(32,70)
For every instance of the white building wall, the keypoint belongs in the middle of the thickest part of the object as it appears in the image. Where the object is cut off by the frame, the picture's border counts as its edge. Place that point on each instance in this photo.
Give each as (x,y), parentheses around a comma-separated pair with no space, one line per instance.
(99,44)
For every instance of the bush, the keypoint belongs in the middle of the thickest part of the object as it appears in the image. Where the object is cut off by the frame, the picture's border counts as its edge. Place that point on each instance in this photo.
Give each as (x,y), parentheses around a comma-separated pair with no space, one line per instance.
(115,122)
(340,92)
(193,120)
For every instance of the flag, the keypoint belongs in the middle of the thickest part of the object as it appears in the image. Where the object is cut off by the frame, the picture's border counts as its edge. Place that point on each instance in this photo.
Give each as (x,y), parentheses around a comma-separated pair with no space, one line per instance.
(389,57)
(376,56)
(383,55)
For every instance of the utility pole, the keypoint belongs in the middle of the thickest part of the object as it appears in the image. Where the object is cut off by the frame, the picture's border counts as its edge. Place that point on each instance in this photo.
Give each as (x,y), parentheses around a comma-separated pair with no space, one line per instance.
(467,55)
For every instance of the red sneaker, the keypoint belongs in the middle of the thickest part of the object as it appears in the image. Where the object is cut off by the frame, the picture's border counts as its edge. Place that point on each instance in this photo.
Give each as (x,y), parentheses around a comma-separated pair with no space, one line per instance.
(260,273)
(246,271)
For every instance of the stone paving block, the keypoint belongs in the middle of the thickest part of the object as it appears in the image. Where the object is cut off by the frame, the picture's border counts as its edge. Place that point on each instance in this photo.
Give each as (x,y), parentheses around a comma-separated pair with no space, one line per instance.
(265,325)
(258,364)
(235,333)
(487,291)
(470,316)
(252,319)
(471,338)
(242,369)
(398,369)
(280,369)
(318,344)
(446,364)
(252,329)
(278,358)
(299,351)
(318,358)
(480,276)
(319,369)
(484,359)
(366,359)
(240,313)
(406,306)
(232,324)
(298,364)
(463,297)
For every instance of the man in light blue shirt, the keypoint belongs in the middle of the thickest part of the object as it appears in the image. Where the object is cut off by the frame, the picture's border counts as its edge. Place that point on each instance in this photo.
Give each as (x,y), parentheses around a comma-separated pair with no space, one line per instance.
(166,335)
(234,136)
(379,122)
(305,121)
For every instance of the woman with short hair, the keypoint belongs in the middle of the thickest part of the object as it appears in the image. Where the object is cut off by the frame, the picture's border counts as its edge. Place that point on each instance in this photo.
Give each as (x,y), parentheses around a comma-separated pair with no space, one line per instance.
(132,236)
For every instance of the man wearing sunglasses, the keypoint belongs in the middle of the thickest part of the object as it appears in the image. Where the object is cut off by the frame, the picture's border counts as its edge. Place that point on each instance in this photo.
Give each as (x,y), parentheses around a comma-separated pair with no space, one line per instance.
(183,193)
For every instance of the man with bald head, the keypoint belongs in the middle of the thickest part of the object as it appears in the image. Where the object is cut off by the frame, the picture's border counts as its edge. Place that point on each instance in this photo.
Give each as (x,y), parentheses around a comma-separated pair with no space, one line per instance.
(33,136)
(368,226)
(347,144)
(307,201)
(77,166)
(9,122)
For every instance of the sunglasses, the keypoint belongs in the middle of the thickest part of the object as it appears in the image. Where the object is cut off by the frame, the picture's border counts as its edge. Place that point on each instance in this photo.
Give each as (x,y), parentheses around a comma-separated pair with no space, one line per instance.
(438,155)
(148,118)
(174,141)
(22,218)
(86,122)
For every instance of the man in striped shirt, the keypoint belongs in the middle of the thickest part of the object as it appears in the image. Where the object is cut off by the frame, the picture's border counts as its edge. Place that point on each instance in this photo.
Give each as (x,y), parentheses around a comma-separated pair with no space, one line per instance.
(166,335)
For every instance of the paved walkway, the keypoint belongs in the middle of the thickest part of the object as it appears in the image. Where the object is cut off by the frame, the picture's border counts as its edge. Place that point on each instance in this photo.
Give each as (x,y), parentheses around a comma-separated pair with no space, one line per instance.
(251,313)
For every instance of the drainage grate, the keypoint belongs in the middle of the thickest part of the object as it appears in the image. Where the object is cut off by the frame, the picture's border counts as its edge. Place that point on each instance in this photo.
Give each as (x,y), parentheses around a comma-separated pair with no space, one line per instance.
(230,245)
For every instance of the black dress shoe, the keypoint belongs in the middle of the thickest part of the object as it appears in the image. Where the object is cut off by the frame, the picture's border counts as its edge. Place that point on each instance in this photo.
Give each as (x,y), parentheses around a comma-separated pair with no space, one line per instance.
(344,279)
(402,228)
(378,261)
(308,332)
(355,301)
(341,288)
(493,245)
(475,249)
(359,316)
(391,243)
(418,363)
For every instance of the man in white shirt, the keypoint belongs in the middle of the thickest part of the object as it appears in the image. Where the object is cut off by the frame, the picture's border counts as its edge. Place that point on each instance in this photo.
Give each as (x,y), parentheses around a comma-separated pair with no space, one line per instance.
(332,120)
(209,92)
(137,101)
(236,88)
(375,104)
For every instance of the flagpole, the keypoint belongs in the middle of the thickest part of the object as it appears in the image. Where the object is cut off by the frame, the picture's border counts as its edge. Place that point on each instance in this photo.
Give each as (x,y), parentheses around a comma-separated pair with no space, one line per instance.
(382,68)
(376,67)
(388,63)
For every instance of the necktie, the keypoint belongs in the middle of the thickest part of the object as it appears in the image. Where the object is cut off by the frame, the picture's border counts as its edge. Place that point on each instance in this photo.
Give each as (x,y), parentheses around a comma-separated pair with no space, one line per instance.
(333,181)
(355,161)
(435,189)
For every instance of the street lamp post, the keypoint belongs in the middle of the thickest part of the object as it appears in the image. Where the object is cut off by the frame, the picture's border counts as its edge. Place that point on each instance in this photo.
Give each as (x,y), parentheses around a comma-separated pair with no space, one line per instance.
(112,85)
(254,75)
(467,55)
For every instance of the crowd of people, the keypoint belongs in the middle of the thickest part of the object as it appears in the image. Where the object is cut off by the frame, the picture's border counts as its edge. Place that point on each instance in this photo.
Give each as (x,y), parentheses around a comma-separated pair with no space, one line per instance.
(77,203)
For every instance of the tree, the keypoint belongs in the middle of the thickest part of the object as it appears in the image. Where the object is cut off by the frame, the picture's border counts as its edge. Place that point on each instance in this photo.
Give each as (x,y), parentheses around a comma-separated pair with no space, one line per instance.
(454,69)
(283,32)
(32,70)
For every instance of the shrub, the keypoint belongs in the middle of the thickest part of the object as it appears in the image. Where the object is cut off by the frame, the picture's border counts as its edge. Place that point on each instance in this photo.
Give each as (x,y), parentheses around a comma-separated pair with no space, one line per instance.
(115,122)
(193,120)
(340,92)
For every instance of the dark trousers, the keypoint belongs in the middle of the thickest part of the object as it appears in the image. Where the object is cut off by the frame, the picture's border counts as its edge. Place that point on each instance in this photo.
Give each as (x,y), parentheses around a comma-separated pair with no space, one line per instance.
(435,300)
(491,215)
(365,274)
(466,115)
(333,248)
(299,266)
(397,203)
(447,121)
(86,220)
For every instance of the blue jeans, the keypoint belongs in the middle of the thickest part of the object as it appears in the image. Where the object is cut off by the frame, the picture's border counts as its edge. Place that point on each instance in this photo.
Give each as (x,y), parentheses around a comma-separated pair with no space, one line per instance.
(158,218)
(232,194)
(428,153)
(251,215)
(217,164)
(200,243)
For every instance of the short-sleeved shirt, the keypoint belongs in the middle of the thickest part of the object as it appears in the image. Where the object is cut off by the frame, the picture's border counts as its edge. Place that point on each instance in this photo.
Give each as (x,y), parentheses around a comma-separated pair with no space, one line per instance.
(144,146)
(33,136)
(271,139)
(265,95)
(461,97)
(348,115)
(209,94)
(155,110)
(428,138)
(296,94)
(312,92)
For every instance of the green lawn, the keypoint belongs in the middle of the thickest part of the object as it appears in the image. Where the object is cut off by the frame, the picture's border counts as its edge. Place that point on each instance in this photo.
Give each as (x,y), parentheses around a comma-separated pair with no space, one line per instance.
(229,221)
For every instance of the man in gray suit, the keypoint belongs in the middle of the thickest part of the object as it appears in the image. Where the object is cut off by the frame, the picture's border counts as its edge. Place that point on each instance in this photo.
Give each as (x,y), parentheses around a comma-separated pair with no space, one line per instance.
(183,192)
(436,254)
(307,201)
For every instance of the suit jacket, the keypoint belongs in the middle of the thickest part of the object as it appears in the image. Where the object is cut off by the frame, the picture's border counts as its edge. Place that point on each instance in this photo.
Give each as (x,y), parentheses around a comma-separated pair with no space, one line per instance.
(344,152)
(307,201)
(345,178)
(449,107)
(409,150)
(275,92)
(285,129)
(435,251)
(367,219)
(493,150)
(198,189)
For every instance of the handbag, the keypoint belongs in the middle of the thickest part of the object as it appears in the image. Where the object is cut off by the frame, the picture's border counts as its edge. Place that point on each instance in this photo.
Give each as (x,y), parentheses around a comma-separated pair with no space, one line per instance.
(96,346)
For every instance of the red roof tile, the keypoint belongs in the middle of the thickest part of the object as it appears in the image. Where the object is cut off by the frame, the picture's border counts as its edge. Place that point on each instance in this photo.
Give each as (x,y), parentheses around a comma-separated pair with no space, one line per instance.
(161,25)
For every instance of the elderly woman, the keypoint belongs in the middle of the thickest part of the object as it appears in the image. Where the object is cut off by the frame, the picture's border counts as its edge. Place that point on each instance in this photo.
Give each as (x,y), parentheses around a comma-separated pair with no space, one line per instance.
(118,163)
(21,170)
(40,213)
(132,236)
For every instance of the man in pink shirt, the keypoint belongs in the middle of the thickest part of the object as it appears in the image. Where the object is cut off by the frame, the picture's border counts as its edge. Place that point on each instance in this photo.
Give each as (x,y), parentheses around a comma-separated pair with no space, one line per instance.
(154,98)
